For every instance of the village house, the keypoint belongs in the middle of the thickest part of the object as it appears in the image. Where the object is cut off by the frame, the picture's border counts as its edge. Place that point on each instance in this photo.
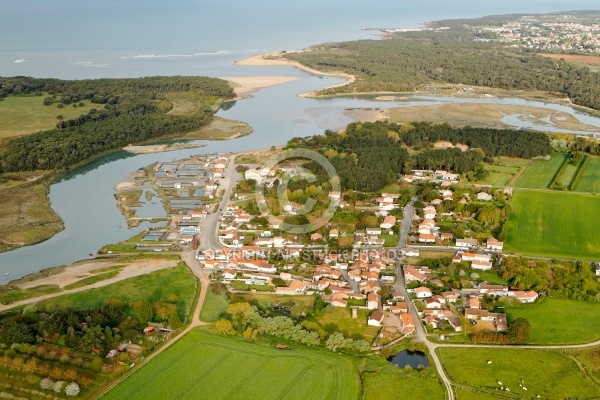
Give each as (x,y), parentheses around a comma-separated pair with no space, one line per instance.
(423,292)
(388,222)
(373,301)
(494,244)
(426,238)
(526,297)
(483,196)
(429,212)
(481,265)
(408,323)
(408,252)
(467,243)
(339,300)
(295,287)
(376,318)
(499,319)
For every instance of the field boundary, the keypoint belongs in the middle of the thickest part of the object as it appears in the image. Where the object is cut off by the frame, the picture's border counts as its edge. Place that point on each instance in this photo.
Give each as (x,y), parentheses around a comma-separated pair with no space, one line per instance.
(558,172)
(579,172)
(515,177)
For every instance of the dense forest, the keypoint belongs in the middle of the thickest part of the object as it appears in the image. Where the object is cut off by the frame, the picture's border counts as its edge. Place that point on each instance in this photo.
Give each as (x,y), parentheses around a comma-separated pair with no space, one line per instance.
(129,111)
(408,60)
(371,155)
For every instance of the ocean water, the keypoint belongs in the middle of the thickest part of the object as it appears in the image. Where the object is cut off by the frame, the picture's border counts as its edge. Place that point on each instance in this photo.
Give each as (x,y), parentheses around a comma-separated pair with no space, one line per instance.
(76,39)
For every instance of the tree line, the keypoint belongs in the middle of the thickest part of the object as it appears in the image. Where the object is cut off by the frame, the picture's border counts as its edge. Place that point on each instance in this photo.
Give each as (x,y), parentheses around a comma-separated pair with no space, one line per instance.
(408,60)
(370,155)
(132,111)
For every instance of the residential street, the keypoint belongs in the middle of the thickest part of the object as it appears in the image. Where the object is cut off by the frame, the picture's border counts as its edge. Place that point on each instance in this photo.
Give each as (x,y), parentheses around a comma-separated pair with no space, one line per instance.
(210,227)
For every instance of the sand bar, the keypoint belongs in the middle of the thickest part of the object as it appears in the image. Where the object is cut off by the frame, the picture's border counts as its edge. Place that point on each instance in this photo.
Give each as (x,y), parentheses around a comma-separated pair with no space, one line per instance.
(275,59)
(243,85)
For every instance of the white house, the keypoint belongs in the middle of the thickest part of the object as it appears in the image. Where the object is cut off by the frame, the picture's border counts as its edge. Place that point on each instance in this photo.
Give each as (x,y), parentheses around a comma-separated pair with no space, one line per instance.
(481,265)
(466,243)
(388,222)
(483,196)
(373,300)
(376,318)
(253,174)
(494,244)
(423,292)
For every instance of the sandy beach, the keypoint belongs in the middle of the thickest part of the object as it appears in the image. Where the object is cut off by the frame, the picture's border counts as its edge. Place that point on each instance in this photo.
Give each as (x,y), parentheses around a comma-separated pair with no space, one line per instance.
(243,85)
(274,59)
(158,148)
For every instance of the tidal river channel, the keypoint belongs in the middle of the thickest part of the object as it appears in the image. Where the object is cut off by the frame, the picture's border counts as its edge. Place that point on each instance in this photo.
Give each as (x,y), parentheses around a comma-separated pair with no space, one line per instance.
(84,197)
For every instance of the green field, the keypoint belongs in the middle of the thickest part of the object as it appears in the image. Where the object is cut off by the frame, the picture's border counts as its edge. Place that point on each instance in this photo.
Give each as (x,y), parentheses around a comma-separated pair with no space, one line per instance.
(566,174)
(463,394)
(214,306)
(554,224)
(398,387)
(205,366)
(539,174)
(156,286)
(560,321)
(590,176)
(502,172)
(551,375)
(20,115)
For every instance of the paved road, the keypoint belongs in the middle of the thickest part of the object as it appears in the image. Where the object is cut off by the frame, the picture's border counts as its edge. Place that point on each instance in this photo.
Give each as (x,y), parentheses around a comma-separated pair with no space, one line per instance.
(400,285)
(210,226)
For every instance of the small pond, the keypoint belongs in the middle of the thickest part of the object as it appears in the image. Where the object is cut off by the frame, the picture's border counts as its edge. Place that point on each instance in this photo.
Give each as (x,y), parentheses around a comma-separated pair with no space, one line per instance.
(412,358)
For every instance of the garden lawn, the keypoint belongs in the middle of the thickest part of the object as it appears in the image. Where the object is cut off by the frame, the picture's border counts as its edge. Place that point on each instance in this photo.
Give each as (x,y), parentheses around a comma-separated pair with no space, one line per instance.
(549,374)
(205,366)
(539,174)
(560,321)
(589,176)
(336,319)
(297,304)
(399,387)
(156,286)
(554,224)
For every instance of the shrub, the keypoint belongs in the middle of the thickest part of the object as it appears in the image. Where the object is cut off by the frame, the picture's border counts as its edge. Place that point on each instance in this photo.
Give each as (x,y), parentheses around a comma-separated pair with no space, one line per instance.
(47,383)
(58,386)
(72,389)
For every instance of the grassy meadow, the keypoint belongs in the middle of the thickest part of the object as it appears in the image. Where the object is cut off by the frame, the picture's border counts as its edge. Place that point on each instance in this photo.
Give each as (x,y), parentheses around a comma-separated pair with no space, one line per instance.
(20,115)
(540,173)
(560,321)
(383,386)
(554,224)
(201,365)
(155,286)
(549,374)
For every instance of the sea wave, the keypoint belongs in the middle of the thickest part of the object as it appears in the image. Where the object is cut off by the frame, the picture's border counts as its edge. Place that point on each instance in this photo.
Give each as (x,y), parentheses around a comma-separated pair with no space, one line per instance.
(89,64)
(21,61)
(174,56)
